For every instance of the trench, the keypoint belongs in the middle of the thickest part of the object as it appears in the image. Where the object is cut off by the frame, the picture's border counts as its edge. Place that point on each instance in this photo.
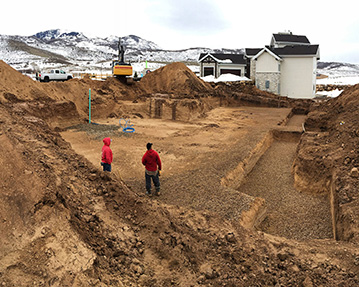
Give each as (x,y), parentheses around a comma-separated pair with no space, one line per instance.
(286,212)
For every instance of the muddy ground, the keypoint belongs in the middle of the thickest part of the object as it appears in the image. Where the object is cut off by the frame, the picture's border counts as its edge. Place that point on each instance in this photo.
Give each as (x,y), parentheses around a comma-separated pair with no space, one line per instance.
(256,190)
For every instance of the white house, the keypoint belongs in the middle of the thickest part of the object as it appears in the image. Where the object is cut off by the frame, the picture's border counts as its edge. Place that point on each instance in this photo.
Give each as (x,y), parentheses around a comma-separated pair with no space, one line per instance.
(219,64)
(287,67)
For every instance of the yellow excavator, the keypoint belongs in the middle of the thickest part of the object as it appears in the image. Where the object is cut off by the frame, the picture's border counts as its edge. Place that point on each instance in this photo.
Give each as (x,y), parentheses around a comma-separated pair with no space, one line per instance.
(120,69)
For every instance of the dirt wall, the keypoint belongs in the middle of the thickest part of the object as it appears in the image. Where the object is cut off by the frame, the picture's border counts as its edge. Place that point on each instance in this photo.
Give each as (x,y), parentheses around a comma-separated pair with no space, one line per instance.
(330,147)
(234,178)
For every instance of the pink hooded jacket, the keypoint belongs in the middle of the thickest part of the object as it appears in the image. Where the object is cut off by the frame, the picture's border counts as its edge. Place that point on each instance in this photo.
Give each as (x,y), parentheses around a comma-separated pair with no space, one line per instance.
(106,151)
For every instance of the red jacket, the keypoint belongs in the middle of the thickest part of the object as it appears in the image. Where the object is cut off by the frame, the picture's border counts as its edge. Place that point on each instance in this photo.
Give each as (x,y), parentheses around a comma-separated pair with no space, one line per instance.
(106,151)
(151,160)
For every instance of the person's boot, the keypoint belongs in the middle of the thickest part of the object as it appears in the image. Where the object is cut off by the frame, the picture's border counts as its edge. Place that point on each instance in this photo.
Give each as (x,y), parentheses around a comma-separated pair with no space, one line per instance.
(148,192)
(157,192)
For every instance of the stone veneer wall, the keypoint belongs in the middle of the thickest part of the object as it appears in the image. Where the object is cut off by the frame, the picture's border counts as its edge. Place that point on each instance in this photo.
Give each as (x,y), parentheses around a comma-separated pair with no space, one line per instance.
(253,70)
(272,77)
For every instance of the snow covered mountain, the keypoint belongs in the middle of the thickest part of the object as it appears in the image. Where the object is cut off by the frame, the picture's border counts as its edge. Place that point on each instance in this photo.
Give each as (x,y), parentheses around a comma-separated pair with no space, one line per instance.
(334,68)
(78,52)
(337,73)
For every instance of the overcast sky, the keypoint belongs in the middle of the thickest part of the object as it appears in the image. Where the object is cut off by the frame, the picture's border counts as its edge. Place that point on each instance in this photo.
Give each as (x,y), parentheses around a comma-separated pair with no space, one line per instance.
(178,24)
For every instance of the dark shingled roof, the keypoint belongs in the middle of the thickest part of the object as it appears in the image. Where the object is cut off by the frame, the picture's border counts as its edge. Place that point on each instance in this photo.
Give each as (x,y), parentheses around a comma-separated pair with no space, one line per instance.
(253,51)
(235,58)
(291,38)
(295,50)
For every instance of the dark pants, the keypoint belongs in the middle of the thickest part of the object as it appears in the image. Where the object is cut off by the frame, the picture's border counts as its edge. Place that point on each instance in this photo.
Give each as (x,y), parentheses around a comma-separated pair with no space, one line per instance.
(155,179)
(106,166)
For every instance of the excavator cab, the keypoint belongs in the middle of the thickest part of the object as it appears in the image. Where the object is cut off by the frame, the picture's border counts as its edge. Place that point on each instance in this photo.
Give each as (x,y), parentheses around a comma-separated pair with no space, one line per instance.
(120,69)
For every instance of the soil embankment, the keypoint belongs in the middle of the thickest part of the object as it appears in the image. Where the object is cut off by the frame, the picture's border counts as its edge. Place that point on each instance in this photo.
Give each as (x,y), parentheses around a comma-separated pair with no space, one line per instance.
(328,156)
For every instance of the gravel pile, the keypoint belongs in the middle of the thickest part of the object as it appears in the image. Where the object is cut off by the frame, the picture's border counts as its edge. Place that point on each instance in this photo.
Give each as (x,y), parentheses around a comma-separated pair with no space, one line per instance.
(99,131)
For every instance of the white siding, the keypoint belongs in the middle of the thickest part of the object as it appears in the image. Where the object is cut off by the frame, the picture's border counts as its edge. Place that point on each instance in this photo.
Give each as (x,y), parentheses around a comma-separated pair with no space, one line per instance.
(266,63)
(298,77)
(314,80)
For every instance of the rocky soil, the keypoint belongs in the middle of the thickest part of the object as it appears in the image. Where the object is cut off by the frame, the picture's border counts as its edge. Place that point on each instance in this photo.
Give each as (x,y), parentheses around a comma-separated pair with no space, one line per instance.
(64,222)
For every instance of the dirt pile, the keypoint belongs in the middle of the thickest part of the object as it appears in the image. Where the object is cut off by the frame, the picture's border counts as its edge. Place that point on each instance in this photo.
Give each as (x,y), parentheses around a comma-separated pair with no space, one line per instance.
(175,78)
(61,101)
(329,156)
(16,87)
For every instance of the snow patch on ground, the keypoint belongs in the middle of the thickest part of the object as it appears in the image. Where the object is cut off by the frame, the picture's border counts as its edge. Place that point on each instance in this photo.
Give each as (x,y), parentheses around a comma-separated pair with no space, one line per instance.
(331,94)
(339,76)
(339,80)
(224,78)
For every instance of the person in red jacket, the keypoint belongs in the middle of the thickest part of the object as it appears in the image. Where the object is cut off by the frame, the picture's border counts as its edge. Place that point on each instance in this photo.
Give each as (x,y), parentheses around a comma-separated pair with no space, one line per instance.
(152,162)
(106,157)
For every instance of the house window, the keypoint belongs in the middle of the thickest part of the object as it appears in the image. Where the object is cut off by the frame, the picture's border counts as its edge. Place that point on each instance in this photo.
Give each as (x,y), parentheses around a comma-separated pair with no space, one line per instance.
(278,67)
(208,71)
(267,84)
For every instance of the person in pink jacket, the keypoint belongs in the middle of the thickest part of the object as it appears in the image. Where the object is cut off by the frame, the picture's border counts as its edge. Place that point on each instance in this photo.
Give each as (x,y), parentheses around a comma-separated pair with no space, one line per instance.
(106,157)
(152,162)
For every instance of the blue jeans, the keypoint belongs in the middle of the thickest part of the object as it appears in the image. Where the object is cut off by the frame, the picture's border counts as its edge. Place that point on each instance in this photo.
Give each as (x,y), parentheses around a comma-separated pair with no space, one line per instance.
(155,179)
(106,166)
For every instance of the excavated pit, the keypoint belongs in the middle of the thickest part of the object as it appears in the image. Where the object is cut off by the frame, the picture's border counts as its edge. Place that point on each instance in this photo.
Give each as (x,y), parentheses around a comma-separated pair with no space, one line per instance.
(281,209)
(265,175)
(289,213)
(66,223)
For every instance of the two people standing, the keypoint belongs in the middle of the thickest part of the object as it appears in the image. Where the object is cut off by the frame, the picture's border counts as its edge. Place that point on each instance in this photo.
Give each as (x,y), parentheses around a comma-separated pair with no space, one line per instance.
(151,160)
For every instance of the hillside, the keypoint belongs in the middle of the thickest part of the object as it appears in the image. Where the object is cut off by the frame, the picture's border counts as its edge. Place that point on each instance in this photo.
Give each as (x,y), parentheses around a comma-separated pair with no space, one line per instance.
(79,52)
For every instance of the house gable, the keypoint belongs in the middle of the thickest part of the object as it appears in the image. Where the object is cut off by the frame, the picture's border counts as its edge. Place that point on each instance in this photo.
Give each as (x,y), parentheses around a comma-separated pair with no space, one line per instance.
(217,64)
(267,62)
(284,39)
(270,52)
(223,58)
(267,71)
(207,58)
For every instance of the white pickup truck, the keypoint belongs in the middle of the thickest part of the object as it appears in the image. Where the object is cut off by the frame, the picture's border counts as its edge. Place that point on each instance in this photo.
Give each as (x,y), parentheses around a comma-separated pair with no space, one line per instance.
(53,75)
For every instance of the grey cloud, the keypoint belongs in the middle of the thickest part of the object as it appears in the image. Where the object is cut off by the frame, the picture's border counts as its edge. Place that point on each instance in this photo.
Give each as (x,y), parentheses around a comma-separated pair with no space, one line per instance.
(191,16)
